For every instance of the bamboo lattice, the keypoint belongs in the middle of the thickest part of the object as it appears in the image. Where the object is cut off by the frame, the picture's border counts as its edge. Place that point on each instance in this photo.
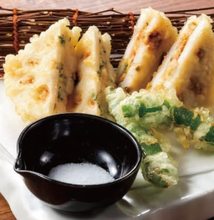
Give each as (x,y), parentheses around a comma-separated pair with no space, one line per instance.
(17,26)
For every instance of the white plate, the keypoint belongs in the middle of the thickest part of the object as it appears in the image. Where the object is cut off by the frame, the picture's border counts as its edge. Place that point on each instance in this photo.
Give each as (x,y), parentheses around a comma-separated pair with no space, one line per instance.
(191,199)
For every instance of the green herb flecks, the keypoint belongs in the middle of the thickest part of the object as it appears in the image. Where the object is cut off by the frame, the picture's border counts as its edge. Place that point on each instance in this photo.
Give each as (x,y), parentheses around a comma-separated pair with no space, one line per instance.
(151,149)
(209,137)
(167,104)
(128,110)
(61,39)
(61,83)
(144,110)
(183,116)
(93,96)
(195,123)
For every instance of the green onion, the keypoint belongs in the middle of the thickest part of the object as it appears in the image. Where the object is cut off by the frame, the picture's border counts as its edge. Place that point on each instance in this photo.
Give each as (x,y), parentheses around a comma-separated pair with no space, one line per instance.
(195,123)
(209,137)
(144,110)
(182,116)
(151,148)
(128,110)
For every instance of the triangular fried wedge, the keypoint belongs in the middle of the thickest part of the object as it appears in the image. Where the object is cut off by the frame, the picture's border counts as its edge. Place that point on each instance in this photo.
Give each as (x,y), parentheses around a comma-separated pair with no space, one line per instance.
(188,67)
(94,73)
(152,38)
(40,77)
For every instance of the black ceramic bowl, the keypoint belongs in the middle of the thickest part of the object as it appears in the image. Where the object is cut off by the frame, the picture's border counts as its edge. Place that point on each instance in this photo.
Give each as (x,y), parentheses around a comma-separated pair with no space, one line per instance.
(77,138)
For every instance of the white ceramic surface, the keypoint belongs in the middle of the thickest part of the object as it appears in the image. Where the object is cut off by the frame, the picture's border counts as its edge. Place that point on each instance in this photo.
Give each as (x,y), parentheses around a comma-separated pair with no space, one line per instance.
(191,199)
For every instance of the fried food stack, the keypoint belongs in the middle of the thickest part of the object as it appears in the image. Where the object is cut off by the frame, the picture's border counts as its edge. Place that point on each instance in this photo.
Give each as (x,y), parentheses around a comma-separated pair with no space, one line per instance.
(58,72)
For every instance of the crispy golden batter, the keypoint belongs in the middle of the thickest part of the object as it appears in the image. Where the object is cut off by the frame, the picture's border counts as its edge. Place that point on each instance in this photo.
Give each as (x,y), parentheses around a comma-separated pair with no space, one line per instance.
(95,73)
(40,77)
(152,38)
(188,67)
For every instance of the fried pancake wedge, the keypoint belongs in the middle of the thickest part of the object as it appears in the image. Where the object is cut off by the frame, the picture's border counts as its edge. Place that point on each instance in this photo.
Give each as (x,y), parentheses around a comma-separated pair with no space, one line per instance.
(152,38)
(94,73)
(40,78)
(188,67)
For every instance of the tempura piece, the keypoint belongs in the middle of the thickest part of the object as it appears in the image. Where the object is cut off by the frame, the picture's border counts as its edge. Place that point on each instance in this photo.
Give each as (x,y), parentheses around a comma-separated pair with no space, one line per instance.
(140,113)
(94,72)
(40,78)
(188,67)
(153,36)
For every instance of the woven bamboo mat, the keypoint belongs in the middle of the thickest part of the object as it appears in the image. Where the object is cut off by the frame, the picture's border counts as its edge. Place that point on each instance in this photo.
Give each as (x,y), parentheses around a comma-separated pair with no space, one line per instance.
(17,26)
